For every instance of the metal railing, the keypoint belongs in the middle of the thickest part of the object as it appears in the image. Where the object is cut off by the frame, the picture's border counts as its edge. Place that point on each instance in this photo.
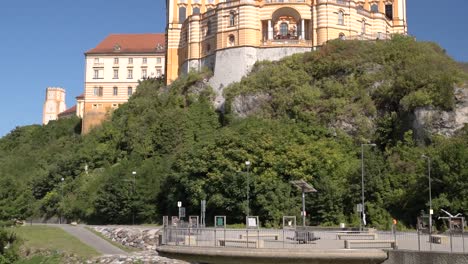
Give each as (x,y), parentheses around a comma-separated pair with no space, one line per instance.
(314,238)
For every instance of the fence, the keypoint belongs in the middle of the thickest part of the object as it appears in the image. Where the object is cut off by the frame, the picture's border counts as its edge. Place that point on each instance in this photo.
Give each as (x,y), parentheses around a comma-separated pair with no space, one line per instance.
(314,238)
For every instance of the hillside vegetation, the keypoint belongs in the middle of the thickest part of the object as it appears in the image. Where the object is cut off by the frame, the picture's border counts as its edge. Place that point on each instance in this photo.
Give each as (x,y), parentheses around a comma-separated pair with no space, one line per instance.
(303,117)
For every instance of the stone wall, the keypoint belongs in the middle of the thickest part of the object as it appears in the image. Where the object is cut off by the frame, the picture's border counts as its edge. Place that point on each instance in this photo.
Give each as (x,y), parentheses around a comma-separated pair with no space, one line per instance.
(230,65)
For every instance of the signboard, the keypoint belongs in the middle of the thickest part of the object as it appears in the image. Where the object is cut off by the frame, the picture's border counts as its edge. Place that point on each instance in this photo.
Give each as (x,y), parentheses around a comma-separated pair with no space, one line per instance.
(252,222)
(174,220)
(182,212)
(220,221)
(165,220)
(193,221)
(289,222)
(359,208)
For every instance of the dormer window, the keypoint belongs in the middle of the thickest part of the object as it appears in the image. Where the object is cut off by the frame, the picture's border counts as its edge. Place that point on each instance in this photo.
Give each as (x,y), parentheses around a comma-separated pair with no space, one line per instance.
(116,47)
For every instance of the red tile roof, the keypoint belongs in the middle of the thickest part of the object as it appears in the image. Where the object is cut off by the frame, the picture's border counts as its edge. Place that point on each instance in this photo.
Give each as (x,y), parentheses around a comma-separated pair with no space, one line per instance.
(131,43)
(81,96)
(70,111)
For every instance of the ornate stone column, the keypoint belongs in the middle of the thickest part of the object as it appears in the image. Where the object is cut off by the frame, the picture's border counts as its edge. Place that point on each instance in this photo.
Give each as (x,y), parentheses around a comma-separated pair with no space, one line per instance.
(302,29)
(270,30)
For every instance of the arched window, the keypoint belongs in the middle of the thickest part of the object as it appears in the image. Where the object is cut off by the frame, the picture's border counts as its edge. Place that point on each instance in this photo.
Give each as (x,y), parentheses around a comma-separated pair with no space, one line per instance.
(208,27)
(340,18)
(231,40)
(196,11)
(232,19)
(363,27)
(342,36)
(374,8)
(284,29)
(182,14)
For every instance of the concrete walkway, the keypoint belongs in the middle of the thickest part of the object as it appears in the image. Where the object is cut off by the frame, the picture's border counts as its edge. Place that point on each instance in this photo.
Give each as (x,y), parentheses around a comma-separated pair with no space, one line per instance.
(91,239)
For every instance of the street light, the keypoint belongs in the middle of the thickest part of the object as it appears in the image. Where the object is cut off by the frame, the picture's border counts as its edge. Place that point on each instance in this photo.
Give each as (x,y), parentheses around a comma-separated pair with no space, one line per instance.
(247,163)
(363,216)
(133,196)
(61,195)
(430,194)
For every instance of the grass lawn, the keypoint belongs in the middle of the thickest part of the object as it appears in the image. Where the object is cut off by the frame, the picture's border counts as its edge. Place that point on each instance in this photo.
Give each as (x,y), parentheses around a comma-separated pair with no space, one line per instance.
(41,260)
(54,239)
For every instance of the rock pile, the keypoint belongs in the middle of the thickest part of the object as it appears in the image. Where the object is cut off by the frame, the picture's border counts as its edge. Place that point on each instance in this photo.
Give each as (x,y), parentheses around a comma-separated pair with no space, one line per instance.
(137,257)
(142,238)
(136,237)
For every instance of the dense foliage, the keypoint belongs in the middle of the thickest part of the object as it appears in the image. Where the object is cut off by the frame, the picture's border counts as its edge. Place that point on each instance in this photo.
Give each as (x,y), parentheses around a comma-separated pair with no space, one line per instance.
(309,116)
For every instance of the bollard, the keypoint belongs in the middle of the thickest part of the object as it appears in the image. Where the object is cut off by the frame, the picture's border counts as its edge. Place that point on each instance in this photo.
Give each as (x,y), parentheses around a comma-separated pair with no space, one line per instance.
(451,242)
(419,241)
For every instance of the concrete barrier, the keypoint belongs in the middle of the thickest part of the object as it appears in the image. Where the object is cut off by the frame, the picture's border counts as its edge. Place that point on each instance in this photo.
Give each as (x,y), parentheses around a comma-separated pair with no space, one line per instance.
(415,257)
(268,256)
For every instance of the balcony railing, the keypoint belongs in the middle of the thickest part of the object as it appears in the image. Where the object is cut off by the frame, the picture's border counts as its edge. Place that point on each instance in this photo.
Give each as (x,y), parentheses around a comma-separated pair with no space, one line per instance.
(374,36)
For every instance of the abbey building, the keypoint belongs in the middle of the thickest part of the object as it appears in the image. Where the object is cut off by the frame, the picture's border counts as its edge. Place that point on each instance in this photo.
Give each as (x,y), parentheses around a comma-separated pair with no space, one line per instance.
(228,36)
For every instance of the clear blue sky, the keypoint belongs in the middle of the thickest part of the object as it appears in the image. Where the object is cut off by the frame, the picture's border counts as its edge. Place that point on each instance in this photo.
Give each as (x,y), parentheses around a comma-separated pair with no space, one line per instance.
(42,43)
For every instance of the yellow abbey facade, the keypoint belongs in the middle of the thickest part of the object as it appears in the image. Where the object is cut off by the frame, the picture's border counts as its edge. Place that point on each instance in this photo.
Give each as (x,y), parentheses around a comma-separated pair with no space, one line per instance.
(229,36)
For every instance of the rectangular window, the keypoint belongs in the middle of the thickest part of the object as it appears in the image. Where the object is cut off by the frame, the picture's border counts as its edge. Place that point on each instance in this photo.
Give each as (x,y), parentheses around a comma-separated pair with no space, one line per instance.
(144,73)
(96,60)
(145,60)
(97,106)
(116,73)
(98,74)
(115,91)
(130,74)
(158,60)
(116,60)
(130,60)
(158,73)
(389,11)
(129,91)
(98,91)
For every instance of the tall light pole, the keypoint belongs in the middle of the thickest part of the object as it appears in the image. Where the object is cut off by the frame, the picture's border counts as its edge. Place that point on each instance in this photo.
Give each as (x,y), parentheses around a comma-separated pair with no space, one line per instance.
(363,216)
(430,194)
(133,195)
(247,164)
(61,195)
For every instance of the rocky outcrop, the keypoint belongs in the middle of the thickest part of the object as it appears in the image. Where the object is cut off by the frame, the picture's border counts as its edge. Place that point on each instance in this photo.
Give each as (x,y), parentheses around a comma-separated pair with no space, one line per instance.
(247,105)
(428,120)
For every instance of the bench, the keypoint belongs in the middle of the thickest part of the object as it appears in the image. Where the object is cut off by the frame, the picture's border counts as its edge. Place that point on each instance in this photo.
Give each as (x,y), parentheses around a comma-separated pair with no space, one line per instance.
(303,237)
(357,236)
(371,243)
(272,236)
(438,239)
(251,243)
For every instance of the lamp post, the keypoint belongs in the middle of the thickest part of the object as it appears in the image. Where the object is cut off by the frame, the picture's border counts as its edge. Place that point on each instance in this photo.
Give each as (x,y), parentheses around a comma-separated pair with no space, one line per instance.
(61,195)
(430,194)
(247,164)
(363,216)
(133,196)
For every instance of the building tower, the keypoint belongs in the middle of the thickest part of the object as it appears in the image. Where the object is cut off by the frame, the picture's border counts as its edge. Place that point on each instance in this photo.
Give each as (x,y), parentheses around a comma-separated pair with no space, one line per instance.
(54,104)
